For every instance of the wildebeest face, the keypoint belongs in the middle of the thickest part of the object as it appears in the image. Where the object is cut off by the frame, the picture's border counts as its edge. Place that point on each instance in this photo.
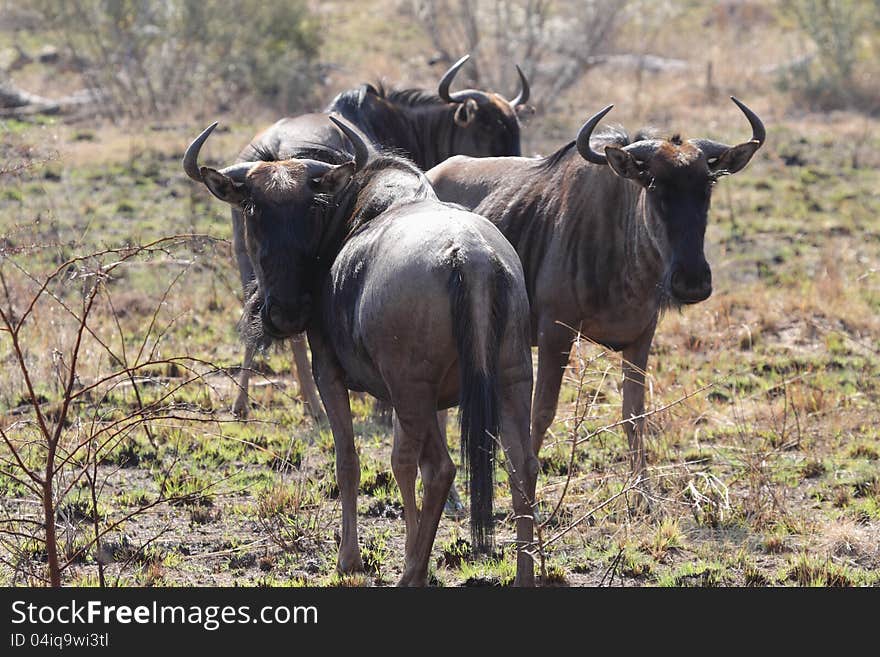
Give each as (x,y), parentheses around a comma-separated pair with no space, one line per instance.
(678,187)
(679,198)
(487,123)
(487,126)
(677,179)
(279,201)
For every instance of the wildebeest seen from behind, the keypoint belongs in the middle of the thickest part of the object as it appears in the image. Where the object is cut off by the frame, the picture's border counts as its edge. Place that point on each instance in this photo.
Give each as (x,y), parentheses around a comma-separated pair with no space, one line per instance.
(426,127)
(417,302)
(608,240)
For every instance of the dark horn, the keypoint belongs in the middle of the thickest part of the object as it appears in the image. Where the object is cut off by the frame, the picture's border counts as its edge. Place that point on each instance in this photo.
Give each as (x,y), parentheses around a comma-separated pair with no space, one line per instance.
(583,139)
(758,132)
(361,151)
(524,91)
(191,156)
(448,77)
(714,149)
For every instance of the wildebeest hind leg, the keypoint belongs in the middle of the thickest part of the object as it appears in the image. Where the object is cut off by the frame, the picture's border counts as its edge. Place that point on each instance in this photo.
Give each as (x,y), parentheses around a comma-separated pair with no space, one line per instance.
(522,465)
(438,472)
(405,454)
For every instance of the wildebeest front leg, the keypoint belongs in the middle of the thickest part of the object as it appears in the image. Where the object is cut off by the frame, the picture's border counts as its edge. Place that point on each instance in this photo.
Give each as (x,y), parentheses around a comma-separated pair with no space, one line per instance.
(240,406)
(554,346)
(522,473)
(329,377)
(635,361)
(303,372)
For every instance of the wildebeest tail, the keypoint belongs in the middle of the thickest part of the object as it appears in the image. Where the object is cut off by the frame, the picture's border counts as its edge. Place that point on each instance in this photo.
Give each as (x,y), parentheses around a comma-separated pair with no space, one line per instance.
(479,314)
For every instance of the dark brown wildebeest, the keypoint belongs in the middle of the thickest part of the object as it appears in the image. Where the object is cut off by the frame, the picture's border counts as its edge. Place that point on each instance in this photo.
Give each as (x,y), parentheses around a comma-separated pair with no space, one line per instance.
(608,240)
(415,301)
(425,127)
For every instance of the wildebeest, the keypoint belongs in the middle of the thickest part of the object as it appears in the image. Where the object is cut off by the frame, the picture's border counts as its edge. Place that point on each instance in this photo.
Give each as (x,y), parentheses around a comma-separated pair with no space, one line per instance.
(414,301)
(425,127)
(608,240)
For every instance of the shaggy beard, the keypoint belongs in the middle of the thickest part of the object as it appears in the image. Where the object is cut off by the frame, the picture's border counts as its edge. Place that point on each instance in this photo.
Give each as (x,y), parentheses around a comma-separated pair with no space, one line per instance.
(250,326)
(665,300)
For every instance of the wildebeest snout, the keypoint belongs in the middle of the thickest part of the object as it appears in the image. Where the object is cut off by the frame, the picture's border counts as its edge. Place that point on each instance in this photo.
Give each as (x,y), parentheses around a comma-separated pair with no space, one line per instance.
(282,319)
(691,284)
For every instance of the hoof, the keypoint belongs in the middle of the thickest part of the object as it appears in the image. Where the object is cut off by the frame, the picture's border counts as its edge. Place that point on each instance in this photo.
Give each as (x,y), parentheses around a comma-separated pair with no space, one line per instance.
(454,507)
(241,408)
(317,415)
(640,501)
(348,566)
(413,580)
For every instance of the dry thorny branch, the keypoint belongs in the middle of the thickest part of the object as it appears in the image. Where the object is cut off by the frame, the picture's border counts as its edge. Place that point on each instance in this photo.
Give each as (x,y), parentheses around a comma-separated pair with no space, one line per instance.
(60,445)
(588,393)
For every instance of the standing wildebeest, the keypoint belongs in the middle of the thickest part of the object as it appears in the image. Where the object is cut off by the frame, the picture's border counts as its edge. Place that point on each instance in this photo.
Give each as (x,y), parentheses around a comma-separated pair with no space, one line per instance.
(417,302)
(425,127)
(605,247)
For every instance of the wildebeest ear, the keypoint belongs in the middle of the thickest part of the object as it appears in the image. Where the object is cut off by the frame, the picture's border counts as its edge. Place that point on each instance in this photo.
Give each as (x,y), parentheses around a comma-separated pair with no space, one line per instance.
(334,179)
(223,187)
(734,158)
(624,164)
(465,113)
(524,112)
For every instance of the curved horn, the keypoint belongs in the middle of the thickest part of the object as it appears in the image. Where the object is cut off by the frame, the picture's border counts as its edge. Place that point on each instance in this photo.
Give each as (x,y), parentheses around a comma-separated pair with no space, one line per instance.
(361,151)
(583,139)
(713,149)
(524,92)
(758,132)
(191,156)
(446,80)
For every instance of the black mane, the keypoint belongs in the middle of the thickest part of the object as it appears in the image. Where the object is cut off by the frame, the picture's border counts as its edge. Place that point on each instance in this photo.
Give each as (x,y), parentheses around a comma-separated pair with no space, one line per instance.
(412,97)
(353,100)
(553,160)
(360,208)
(610,135)
(264,152)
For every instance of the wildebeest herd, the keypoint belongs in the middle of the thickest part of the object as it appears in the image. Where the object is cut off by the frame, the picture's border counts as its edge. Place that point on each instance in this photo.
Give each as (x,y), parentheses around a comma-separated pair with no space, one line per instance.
(422,256)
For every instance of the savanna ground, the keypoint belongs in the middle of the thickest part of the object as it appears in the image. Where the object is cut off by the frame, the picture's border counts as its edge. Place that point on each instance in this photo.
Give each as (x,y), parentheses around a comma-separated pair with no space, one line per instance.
(763,450)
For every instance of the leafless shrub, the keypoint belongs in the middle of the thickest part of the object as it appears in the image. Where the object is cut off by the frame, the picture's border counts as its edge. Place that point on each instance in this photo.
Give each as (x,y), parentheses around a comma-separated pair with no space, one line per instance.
(142,59)
(590,379)
(843,36)
(58,442)
(556,43)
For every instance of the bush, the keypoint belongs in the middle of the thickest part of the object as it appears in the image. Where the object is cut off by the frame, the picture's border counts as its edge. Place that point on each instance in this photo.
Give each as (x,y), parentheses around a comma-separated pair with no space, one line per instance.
(143,59)
(843,72)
